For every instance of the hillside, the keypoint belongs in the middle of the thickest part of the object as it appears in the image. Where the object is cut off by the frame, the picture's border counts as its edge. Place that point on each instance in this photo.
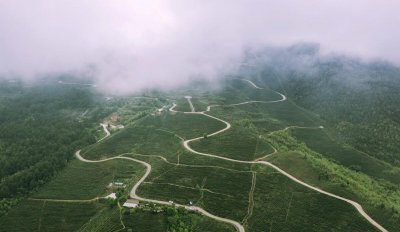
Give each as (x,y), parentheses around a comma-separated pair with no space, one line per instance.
(250,156)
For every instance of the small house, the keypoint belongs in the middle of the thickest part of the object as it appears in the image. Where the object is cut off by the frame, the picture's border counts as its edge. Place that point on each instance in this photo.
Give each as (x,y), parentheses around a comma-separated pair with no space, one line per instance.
(116,185)
(131,203)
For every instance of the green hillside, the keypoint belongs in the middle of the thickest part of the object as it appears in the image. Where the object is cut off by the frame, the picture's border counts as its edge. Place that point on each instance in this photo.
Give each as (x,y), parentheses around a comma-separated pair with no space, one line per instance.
(220,160)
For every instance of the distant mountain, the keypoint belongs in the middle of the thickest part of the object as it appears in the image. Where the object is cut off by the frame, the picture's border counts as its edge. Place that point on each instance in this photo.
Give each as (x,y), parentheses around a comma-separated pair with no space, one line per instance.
(359,98)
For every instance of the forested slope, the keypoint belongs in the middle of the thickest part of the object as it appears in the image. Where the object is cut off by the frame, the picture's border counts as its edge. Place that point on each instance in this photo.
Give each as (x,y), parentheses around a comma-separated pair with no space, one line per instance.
(359,99)
(40,126)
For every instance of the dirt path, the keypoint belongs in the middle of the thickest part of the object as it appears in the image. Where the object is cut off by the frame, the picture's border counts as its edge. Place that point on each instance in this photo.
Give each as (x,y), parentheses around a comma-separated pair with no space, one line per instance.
(208,108)
(133,194)
(268,155)
(187,187)
(228,125)
(105,130)
(251,83)
(251,199)
(65,201)
(353,203)
(257,87)
(172,109)
(186,145)
(84,113)
(189,99)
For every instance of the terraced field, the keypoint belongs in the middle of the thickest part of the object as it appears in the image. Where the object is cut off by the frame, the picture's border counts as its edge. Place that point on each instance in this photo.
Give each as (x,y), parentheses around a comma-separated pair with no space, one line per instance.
(320,142)
(32,215)
(246,162)
(238,143)
(182,104)
(89,180)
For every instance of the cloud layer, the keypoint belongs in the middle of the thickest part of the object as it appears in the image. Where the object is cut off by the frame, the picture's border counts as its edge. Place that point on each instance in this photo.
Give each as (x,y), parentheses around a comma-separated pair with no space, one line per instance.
(128,45)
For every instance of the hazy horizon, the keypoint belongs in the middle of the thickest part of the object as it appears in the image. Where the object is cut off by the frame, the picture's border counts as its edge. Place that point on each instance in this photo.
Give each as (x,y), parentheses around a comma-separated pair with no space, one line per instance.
(126,46)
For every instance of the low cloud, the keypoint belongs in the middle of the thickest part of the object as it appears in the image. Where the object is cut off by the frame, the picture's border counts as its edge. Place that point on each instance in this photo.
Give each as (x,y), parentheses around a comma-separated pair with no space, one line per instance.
(128,45)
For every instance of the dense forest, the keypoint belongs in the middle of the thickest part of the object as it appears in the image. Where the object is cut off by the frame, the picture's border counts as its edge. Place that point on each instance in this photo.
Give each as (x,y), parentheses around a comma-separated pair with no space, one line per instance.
(41,127)
(359,99)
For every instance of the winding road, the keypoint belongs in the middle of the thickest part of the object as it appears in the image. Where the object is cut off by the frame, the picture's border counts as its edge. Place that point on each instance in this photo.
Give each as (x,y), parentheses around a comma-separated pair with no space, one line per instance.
(105,130)
(189,99)
(186,144)
(133,194)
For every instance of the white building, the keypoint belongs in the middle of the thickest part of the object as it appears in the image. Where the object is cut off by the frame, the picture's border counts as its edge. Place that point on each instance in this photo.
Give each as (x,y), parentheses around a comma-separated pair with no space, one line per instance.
(131,203)
(116,185)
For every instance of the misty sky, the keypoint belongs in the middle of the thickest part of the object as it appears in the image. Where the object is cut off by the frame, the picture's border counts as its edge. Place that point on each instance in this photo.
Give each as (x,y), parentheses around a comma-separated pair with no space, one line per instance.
(130,45)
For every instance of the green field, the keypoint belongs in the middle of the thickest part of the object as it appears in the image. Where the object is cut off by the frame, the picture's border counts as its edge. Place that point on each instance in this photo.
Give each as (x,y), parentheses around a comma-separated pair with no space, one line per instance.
(200,104)
(202,186)
(236,91)
(201,223)
(320,142)
(255,195)
(106,220)
(158,222)
(82,181)
(378,198)
(214,187)
(146,222)
(136,139)
(282,205)
(237,143)
(193,159)
(184,125)
(47,216)
(182,105)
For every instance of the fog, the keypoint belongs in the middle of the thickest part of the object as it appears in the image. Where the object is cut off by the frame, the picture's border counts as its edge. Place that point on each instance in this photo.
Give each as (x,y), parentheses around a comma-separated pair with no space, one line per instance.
(126,46)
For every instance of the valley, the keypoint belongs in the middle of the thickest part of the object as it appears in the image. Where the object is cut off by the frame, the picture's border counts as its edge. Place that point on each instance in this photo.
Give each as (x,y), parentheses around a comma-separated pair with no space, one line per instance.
(194,161)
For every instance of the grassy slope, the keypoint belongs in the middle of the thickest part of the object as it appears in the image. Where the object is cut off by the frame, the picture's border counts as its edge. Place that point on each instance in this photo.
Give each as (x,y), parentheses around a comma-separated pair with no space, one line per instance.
(194,159)
(136,139)
(200,104)
(303,168)
(106,220)
(182,105)
(157,222)
(237,143)
(146,222)
(282,205)
(237,91)
(320,142)
(183,184)
(185,125)
(279,203)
